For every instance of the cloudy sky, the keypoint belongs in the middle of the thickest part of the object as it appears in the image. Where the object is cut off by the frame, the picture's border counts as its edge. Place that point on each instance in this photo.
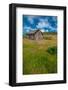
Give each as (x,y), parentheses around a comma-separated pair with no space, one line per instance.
(44,23)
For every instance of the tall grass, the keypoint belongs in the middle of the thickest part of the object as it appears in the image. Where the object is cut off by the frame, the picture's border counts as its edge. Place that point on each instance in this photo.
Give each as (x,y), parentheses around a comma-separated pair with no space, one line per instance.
(39,57)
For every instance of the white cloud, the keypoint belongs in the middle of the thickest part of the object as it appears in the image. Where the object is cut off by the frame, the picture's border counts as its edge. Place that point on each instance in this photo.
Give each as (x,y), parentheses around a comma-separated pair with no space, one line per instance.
(43,20)
(52,28)
(42,24)
(42,30)
(26,27)
(46,30)
(31,19)
(27,30)
(45,24)
(54,18)
(33,28)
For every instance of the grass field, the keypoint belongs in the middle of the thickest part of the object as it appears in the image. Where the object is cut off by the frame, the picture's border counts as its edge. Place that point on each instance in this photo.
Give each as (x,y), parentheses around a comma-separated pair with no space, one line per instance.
(40,57)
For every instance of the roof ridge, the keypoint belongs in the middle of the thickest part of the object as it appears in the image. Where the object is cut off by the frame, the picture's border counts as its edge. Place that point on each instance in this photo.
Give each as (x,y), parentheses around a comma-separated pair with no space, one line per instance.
(33,31)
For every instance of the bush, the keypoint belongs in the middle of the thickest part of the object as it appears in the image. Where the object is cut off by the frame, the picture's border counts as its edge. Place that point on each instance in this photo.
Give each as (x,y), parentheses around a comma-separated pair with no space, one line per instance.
(52,50)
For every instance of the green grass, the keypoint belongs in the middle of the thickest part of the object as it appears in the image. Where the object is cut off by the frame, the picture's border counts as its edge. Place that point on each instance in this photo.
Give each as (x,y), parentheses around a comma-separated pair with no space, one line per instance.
(39,57)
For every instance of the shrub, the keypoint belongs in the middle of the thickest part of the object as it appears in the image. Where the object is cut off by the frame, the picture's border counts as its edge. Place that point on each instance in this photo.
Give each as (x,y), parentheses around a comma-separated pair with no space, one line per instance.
(52,50)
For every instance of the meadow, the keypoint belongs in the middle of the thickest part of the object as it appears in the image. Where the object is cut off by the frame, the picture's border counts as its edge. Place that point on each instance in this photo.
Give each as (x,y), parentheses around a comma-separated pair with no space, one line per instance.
(40,56)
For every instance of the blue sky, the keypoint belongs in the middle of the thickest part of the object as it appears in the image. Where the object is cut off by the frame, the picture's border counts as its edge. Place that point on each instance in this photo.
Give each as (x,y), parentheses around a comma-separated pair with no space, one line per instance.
(44,23)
